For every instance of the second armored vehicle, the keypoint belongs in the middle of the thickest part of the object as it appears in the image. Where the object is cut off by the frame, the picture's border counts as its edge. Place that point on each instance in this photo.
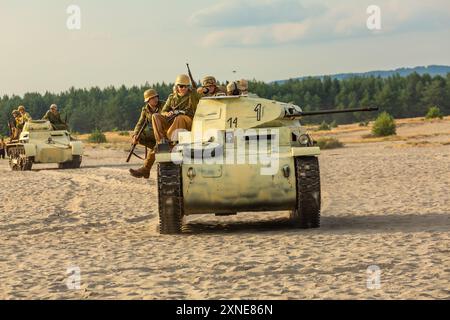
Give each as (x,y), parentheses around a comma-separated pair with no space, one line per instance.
(39,143)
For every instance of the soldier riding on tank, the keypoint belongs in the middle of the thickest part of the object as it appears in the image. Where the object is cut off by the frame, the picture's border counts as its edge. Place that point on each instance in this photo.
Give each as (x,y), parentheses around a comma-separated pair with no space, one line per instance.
(177,113)
(25,115)
(153,106)
(54,117)
(210,88)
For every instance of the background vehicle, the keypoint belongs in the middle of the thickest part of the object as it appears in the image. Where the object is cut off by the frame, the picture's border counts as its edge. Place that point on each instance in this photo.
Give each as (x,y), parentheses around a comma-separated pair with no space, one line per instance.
(39,143)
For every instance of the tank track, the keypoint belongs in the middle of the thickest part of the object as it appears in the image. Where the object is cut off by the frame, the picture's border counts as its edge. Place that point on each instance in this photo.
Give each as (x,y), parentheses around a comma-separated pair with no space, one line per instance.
(74,164)
(170,198)
(24,163)
(307,212)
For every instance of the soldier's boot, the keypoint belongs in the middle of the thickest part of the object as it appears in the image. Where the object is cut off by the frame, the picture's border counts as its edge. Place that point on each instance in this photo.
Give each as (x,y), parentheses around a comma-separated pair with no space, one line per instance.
(144,172)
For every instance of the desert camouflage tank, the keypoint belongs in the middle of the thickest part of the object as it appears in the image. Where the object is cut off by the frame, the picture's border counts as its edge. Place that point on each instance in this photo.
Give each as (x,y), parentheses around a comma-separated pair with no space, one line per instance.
(39,143)
(244,154)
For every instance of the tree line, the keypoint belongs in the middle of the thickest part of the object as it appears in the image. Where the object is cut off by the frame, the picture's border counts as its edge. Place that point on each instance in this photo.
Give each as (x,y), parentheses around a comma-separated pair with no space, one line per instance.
(119,108)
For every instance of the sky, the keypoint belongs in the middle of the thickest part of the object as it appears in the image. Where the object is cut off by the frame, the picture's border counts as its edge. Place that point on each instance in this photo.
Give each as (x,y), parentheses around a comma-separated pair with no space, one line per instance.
(137,41)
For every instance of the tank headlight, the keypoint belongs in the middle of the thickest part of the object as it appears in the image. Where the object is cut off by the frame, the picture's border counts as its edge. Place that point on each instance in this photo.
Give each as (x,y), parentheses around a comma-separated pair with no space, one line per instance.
(229,137)
(191,173)
(303,139)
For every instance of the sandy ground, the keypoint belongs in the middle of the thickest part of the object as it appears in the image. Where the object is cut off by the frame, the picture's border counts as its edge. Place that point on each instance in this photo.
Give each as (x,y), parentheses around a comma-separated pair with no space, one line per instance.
(384,203)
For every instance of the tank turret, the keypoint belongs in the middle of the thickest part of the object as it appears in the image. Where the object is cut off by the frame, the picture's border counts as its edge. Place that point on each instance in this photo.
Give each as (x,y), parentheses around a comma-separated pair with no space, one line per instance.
(252,112)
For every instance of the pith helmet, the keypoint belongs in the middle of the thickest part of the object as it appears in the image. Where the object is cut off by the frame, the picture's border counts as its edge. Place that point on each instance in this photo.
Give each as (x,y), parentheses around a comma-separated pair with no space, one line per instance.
(53,106)
(183,80)
(149,94)
(21,108)
(209,81)
(243,85)
(15,113)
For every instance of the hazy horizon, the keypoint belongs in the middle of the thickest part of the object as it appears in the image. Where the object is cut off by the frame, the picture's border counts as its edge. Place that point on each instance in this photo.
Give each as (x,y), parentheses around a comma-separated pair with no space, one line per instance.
(131,43)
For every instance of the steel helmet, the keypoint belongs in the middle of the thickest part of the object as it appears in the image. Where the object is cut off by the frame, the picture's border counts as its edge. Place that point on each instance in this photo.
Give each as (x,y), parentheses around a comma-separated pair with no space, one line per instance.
(183,80)
(209,81)
(149,94)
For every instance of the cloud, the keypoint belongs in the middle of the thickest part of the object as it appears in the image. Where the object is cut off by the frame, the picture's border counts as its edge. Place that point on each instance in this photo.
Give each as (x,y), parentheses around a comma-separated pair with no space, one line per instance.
(276,22)
(244,13)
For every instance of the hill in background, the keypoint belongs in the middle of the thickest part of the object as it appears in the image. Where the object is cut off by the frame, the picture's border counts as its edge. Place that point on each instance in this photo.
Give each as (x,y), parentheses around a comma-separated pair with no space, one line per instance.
(433,70)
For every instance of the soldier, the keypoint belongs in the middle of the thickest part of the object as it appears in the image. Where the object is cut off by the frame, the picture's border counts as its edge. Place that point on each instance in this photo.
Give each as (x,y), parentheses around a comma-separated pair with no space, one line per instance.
(55,118)
(243,86)
(153,105)
(25,115)
(232,89)
(18,125)
(237,88)
(210,88)
(178,111)
(2,148)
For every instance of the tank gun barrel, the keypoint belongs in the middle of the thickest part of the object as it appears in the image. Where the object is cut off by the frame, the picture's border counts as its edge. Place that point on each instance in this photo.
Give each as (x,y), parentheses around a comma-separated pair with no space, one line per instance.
(294,113)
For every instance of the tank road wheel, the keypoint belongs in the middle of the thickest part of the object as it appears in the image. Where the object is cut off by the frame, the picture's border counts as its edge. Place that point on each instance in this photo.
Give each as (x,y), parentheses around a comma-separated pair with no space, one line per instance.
(13,161)
(26,163)
(307,212)
(18,161)
(170,198)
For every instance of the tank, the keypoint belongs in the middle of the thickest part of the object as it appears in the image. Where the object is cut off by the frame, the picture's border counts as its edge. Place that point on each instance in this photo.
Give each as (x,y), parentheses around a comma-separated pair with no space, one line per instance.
(244,154)
(39,143)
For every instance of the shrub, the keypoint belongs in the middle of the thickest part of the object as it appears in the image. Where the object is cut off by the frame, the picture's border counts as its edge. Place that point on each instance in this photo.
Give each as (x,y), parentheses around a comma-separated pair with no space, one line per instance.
(124,133)
(434,113)
(97,137)
(334,124)
(384,125)
(364,123)
(324,127)
(329,143)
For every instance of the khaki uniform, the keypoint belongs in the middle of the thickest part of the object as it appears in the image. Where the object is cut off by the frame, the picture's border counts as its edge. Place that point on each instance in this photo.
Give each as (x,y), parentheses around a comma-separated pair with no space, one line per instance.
(188,103)
(18,126)
(26,117)
(19,122)
(148,138)
(165,128)
(55,120)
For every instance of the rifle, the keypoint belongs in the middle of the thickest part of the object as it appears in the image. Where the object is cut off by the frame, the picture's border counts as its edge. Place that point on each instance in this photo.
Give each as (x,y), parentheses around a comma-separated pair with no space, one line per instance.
(194,84)
(175,114)
(133,146)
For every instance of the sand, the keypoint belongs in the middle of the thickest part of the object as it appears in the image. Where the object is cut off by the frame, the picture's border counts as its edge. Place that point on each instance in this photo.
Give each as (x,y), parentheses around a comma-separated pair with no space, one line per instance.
(384,203)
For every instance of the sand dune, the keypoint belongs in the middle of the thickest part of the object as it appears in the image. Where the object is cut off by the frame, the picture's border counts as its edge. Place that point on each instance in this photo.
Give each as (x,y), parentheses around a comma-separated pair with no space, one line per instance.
(383,206)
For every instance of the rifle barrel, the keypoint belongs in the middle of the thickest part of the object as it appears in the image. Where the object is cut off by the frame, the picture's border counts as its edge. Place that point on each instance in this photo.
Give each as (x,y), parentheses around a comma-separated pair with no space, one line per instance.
(194,84)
